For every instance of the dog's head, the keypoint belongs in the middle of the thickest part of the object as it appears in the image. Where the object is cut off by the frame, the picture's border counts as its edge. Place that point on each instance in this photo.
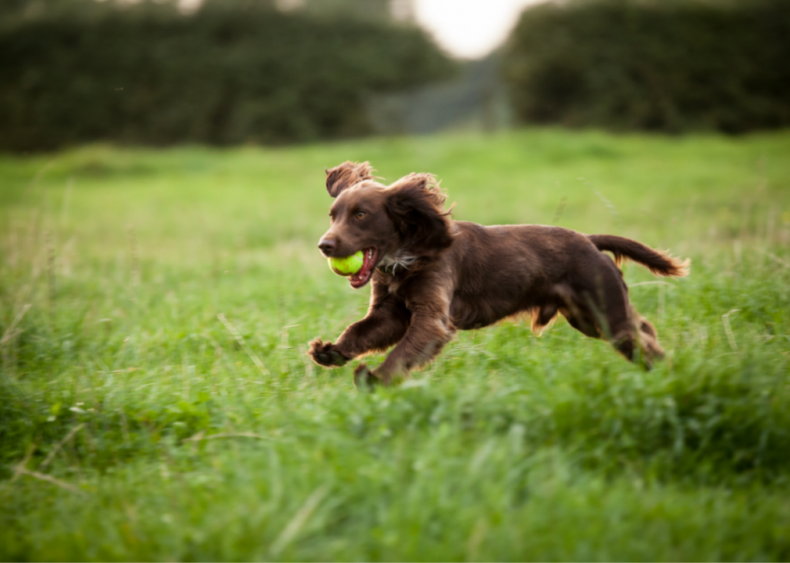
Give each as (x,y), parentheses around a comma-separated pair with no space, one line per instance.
(407,216)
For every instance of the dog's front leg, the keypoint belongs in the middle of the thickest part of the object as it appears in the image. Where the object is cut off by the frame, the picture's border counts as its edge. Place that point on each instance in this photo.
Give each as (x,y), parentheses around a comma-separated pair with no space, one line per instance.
(385,324)
(429,331)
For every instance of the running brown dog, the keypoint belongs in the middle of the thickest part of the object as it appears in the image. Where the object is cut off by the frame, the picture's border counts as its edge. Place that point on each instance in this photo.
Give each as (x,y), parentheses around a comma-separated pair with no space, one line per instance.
(432,275)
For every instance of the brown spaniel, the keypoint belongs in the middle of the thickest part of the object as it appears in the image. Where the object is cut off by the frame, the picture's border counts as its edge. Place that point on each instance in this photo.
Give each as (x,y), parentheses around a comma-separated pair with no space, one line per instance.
(432,275)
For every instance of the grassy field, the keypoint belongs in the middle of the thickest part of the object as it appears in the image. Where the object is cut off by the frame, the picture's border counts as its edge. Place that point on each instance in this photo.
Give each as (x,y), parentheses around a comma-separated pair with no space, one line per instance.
(136,425)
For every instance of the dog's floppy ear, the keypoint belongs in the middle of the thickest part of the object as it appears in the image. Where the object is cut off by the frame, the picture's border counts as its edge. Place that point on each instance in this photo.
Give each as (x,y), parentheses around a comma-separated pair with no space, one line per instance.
(416,206)
(346,175)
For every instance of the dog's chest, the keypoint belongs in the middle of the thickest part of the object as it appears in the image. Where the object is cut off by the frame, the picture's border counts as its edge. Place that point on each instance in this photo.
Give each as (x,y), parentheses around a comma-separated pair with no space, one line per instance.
(396,261)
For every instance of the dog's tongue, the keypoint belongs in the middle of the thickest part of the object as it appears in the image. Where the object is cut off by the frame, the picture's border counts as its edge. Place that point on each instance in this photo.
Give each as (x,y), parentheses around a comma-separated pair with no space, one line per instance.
(362,275)
(359,275)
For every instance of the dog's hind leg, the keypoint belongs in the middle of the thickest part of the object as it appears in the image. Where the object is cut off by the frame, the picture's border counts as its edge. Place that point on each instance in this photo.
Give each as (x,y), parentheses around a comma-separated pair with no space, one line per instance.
(577,312)
(583,323)
(601,310)
(648,337)
(633,335)
(623,337)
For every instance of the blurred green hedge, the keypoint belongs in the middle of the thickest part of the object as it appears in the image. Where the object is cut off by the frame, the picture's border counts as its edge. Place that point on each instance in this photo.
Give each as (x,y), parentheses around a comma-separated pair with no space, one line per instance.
(218,77)
(664,65)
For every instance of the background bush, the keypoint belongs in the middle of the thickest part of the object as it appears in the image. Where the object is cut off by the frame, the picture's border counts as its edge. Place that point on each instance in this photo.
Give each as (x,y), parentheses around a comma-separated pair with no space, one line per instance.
(667,66)
(220,76)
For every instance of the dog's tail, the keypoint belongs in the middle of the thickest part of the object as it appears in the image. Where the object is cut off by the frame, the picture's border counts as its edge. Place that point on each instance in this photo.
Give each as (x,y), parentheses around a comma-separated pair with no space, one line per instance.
(660,263)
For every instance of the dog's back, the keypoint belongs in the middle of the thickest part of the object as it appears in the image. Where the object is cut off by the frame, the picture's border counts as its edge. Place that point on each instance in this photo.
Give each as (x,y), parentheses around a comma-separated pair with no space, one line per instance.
(503,270)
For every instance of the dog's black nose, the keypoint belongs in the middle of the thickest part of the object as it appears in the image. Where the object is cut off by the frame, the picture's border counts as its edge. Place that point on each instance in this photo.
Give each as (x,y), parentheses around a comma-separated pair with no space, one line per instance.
(327,245)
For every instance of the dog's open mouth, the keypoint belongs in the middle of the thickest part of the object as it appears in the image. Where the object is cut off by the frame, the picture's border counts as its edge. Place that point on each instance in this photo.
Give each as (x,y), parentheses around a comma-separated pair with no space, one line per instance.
(363,276)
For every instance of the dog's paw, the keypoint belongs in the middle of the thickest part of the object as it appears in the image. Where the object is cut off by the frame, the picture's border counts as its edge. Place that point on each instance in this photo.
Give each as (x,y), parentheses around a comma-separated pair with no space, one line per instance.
(364,380)
(326,354)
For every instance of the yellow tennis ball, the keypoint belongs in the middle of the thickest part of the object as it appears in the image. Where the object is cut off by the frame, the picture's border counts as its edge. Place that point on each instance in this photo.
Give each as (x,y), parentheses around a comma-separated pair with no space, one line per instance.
(347,266)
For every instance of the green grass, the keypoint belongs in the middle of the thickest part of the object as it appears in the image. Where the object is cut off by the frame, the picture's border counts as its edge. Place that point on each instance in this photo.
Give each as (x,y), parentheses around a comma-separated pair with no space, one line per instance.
(190,446)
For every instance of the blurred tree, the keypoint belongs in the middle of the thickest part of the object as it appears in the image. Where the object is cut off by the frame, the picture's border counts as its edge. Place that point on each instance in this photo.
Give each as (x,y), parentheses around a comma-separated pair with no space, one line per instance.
(361,9)
(668,65)
(32,8)
(11,10)
(369,9)
(235,71)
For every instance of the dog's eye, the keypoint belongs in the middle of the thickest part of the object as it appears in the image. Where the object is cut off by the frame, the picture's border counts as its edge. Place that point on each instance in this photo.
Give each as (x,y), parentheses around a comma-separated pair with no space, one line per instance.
(360,214)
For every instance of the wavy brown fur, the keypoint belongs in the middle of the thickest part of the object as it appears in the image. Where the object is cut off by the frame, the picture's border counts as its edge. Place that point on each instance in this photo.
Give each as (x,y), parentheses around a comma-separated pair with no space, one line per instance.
(456,275)
(345,175)
(660,263)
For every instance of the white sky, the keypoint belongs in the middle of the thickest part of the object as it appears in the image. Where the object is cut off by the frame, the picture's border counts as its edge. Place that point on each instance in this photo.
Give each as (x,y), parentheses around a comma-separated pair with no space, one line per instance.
(469,28)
